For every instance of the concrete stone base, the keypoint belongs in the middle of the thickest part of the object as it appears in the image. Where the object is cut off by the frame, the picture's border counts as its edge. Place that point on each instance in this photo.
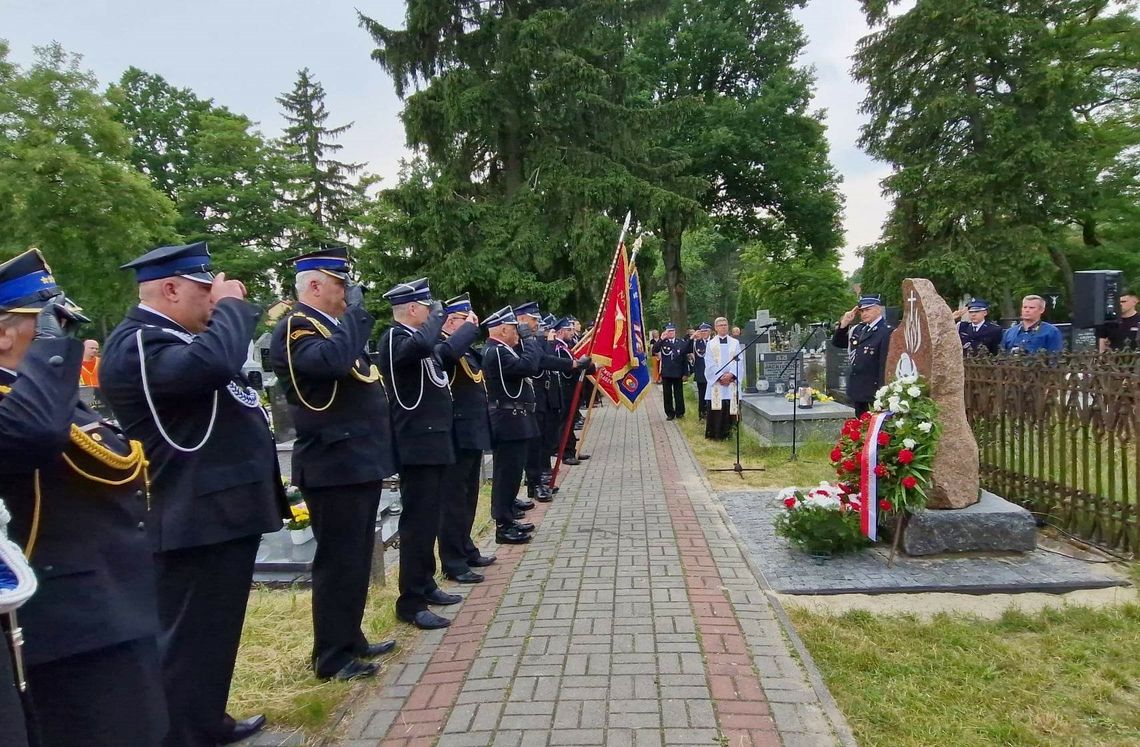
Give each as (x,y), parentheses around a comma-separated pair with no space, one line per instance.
(770,417)
(992,524)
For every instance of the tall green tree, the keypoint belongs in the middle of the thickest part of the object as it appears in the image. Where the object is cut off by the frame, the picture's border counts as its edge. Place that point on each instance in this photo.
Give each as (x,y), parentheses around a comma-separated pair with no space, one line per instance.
(1006,122)
(712,282)
(531,145)
(66,185)
(745,129)
(322,190)
(226,179)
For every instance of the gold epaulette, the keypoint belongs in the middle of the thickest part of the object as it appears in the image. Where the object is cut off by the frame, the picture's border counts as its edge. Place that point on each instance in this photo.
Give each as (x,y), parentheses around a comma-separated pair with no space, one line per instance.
(476,376)
(134,463)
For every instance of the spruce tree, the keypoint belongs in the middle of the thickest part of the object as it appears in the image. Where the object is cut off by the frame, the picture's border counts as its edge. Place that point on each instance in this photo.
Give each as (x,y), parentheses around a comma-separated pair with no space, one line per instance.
(321,188)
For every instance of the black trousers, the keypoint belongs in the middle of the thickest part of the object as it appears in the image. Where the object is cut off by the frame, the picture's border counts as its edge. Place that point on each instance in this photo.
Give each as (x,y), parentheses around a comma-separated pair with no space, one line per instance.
(344,525)
(861,407)
(108,697)
(202,596)
(673,390)
(12,717)
(506,477)
(702,403)
(718,423)
(421,486)
(553,432)
(537,455)
(457,515)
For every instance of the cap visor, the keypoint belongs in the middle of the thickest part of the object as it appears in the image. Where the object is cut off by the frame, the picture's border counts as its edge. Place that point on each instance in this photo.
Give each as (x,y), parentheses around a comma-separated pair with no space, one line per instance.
(336,274)
(200,277)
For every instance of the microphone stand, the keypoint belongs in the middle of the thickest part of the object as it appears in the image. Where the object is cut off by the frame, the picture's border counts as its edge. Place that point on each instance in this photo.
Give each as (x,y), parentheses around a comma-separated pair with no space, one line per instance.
(737,467)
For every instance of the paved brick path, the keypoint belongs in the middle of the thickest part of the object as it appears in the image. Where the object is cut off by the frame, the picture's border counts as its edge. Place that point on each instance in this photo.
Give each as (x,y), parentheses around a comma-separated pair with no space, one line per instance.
(633,618)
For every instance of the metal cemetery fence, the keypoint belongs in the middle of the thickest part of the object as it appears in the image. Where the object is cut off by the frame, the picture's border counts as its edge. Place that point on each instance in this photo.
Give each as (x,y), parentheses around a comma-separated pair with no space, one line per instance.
(1059,436)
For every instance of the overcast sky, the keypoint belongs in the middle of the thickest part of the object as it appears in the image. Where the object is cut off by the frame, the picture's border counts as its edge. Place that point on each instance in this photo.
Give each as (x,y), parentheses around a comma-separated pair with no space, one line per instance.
(244,53)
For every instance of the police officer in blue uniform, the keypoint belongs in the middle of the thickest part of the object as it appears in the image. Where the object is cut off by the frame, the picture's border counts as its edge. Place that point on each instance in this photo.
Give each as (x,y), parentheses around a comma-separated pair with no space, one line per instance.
(510,399)
(698,346)
(343,451)
(674,368)
(866,344)
(422,416)
(171,373)
(978,334)
(472,431)
(76,490)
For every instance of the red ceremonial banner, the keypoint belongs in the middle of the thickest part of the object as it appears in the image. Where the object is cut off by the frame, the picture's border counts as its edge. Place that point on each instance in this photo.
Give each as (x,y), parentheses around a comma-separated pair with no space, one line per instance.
(613,343)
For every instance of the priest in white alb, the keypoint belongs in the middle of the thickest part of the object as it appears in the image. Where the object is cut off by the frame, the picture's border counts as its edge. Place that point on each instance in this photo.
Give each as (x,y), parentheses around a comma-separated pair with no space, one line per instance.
(723,375)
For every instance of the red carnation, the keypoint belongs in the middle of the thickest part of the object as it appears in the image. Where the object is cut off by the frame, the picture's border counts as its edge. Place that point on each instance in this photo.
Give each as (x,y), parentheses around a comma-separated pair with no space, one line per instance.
(853,435)
(790,501)
(865,417)
(880,470)
(885,505)
(906,456)
(909,482)
(852,425)
(836,454)
(884,438)
(849,465)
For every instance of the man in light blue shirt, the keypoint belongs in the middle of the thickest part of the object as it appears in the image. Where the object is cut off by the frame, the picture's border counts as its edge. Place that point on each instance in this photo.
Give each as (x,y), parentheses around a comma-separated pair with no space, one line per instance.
(1031,335)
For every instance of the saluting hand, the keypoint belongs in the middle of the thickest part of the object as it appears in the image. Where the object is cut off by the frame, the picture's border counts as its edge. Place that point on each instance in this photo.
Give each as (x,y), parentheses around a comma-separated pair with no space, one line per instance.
(223,288)
(472,318)
(958,313)
(849,317)
(353,295)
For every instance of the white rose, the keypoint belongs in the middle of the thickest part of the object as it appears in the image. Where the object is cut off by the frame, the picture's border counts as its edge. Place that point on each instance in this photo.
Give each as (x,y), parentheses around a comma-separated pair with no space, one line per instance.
(893,404)
(881,393)
(914,391)
(909,379)
(904,406)
(925,427)
(900,423)
(909,443)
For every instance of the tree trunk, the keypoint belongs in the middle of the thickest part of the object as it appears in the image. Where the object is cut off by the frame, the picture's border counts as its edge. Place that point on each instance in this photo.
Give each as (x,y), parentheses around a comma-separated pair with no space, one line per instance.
(1057,253)
(674,273)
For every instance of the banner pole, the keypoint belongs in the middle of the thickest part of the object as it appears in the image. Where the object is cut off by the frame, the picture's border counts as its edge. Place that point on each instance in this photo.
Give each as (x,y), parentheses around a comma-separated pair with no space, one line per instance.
(589,352)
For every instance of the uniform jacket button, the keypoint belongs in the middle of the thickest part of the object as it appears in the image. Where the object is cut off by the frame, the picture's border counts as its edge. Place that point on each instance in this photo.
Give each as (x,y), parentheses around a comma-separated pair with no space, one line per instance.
(56,360)
(142,526)
(139,494)
(49,568)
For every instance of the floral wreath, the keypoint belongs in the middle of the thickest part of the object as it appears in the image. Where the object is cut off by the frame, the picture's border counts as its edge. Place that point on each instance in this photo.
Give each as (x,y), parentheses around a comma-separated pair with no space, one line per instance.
(906,441)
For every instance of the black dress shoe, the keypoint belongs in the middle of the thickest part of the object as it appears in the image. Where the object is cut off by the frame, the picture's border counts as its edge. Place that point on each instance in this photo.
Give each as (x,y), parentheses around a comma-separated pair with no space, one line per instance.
(524,526)
(378,649)
(524,505)
(427,620)
(518,514)
(243,729)
(355,670)
(570,460)
(511,536)
(583,457)
(668,417)
(579,424)
(469,577)
(546,497)
(439,596)
(482,561)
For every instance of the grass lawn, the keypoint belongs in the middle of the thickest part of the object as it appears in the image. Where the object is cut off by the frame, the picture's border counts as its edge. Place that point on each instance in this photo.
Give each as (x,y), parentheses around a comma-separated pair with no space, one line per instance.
(1058,677)
(811,464)
(273,675)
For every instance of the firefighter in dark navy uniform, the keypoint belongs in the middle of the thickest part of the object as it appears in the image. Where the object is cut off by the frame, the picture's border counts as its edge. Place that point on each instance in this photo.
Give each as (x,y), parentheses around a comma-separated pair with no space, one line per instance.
(674,368)
(171,373)
(567,380)
(978,334)
(510,399)
(866,344)
(699,345)
(420,397)
(342,454)
(472,431)
(76,489)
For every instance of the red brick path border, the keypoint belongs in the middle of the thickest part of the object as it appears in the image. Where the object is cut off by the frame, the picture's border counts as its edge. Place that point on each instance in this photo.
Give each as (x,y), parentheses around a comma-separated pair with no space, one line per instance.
(739,702)
(424,713)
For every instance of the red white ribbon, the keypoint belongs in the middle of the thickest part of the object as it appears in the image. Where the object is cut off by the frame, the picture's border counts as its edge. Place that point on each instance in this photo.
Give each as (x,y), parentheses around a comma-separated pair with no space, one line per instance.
(868,480)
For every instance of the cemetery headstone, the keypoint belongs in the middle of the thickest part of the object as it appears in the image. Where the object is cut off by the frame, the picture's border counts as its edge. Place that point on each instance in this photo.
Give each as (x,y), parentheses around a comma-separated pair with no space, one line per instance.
(780,372)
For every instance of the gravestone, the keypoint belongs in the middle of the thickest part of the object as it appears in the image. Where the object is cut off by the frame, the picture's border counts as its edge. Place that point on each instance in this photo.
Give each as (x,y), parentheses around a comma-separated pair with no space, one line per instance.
(926,343)
(750,371)
(763,326)
(780,372)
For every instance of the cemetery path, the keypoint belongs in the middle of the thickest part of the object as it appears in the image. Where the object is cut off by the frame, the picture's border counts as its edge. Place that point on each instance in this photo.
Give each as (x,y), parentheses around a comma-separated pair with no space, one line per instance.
(632,618)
